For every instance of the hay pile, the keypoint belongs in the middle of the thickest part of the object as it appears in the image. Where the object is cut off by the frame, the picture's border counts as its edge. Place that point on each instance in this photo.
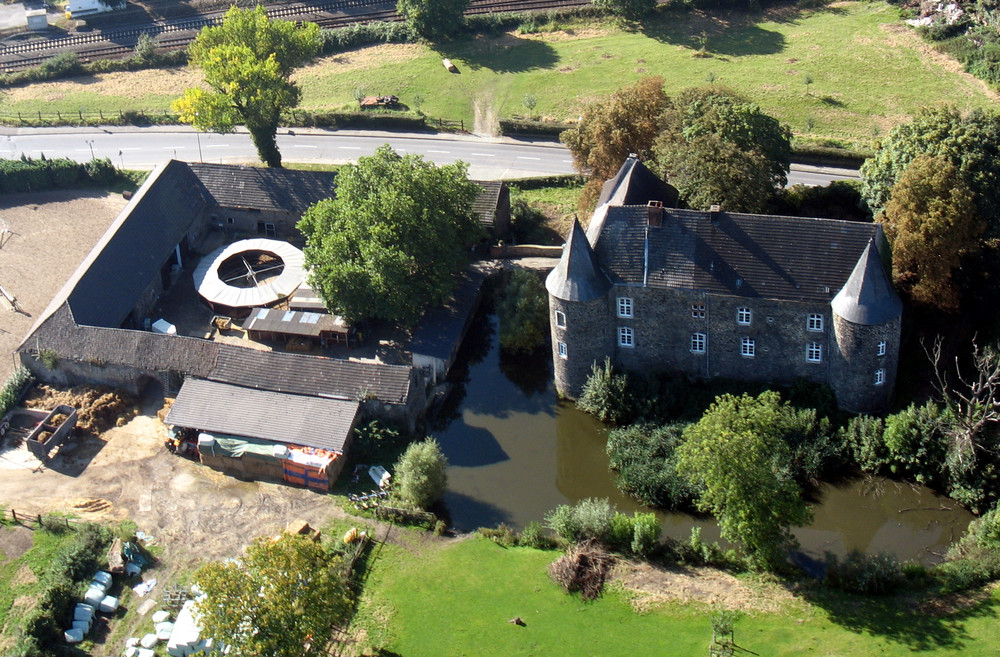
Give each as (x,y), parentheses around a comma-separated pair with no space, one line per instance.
(584,568)
(98,407)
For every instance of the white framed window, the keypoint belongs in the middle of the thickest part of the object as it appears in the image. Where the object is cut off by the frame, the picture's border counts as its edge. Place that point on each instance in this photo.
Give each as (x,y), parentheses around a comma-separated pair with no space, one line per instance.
(881,348)
(814,322)
(698,310)
(748,347)
(879,377)
(560,319)
(744,316)
(814,352)
(624,306)
(562,350)
(626,338)
(698,343)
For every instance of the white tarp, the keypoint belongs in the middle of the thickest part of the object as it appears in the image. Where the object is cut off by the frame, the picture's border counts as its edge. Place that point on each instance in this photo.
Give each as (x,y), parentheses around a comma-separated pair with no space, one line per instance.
(185,639)
(216,291)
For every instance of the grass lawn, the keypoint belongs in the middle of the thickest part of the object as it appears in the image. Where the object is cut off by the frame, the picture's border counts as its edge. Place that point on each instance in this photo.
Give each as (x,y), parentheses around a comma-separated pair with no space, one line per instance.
(868,71)
(20,572)
(456,599)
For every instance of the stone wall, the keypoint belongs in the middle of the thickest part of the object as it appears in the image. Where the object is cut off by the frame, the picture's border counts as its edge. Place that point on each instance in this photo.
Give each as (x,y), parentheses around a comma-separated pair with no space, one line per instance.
(588,338)
(856,362)
(68,373)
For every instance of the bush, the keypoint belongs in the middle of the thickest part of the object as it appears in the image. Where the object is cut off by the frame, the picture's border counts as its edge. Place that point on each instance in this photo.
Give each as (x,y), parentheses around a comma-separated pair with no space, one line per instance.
(985,531)
(534,536)
(523,309)
(13,387)
(364,34)
(372,441)
(101,172)
(643,457)
(862,437)
(503,535)
(876,574)
(916,444)
(421,474)
(587,519)
(967,572)
(607,395)
(645,534)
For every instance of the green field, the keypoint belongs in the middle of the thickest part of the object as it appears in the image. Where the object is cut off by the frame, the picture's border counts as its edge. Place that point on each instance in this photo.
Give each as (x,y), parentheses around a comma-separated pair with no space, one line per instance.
(434,600)
(868,71)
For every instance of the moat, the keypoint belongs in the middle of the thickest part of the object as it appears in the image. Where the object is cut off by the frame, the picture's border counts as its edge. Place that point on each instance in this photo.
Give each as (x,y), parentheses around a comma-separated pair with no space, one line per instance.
(516,452)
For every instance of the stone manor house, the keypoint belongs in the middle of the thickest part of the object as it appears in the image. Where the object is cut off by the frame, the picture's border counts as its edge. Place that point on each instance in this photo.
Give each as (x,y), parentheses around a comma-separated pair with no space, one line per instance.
(720,294)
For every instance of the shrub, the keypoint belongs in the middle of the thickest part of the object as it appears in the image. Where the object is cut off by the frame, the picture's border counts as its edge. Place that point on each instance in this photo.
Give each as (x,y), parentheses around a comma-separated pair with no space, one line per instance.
(523,309)
(534,536)
(606,395)
(916,444)
(643,457)
(421,474)
(985,531)
(967,572)
(620,532)
(875,574)
(101,172)
(588,519)
(373,440)
(645,534)
(12,388)
(503,535)
(64,64)
(863,438)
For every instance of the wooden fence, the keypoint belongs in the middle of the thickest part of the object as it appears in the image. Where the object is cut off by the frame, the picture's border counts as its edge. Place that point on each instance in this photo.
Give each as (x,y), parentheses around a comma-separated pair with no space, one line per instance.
(38,520)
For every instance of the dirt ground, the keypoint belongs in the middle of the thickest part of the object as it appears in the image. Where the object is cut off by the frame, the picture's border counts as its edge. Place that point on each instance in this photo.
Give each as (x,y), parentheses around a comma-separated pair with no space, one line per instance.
(50,234)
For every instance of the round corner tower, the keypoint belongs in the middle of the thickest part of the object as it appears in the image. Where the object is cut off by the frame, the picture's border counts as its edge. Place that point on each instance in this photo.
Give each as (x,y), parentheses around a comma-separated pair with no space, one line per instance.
(578,306)
(867,318)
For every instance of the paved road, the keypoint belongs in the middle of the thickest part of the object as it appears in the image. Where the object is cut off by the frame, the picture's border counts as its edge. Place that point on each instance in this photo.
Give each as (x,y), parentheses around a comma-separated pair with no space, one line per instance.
(144,148)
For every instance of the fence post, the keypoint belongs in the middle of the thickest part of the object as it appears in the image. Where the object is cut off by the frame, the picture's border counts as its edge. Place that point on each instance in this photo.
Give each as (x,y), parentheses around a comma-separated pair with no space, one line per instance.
(101,113)
(39,116)
(19,119)
(40,523)
(81,115)
(59,114)
(462,122)
(13,514)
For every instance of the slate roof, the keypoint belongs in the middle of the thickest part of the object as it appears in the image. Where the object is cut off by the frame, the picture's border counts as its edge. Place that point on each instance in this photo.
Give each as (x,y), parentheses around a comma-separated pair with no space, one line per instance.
(440,329)
(578,276)
(485,205)
(263,188)
(774,257)
(868,297)
(634,184)
(291,419)
(311,375)
(129,255)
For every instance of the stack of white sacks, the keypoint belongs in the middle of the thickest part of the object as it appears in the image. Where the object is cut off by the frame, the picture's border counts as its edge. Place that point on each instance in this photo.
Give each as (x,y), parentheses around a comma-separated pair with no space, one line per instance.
(96,599)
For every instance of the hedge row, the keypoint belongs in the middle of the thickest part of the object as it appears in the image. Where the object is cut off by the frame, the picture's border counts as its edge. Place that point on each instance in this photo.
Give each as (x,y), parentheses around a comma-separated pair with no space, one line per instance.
(29,175)
(13,388)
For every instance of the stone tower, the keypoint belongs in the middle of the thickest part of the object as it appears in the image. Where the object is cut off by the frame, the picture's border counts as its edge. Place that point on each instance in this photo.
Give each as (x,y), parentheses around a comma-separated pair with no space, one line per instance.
(867,315)
(578,307)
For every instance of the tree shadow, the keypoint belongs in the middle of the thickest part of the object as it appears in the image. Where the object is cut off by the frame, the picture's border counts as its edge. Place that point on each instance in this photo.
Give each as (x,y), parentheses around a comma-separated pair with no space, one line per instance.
(468,514)
(501,54)
(473,447)
(531,372)
(901,620)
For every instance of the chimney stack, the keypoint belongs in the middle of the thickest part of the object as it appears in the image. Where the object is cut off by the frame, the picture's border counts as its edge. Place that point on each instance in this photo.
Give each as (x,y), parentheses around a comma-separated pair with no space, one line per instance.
(654,214)
(713,211)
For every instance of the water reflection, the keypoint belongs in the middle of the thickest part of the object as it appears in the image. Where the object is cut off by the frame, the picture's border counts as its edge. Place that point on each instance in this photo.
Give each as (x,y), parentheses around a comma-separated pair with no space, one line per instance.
(516,452)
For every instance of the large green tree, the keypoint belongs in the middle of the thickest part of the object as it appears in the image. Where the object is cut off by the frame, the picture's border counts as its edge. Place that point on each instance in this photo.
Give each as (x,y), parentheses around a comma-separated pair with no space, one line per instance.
(740,465)
(248,60)
(280,599)
(523,309)
(393,239)
(931,222)
(971,142)
(421,474)
(718,147)
(433,19)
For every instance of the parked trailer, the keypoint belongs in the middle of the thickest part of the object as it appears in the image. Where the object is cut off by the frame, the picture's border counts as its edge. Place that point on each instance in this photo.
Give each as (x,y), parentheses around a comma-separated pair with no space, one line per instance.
(51,433)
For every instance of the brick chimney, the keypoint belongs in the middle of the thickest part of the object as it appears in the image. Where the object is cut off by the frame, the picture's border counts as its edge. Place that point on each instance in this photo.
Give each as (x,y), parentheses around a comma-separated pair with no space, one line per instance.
(654,214)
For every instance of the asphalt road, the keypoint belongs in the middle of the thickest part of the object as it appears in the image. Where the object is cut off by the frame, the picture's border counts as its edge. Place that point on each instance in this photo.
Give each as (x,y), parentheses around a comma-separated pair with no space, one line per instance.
(144,148)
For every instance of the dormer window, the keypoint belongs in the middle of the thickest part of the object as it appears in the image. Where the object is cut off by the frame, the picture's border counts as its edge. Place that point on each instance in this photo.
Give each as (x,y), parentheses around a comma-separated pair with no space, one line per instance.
(744,316)
(624,306)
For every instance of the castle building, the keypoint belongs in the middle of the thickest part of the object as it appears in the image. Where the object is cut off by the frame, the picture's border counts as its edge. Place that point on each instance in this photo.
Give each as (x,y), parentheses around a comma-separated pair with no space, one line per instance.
(720,294)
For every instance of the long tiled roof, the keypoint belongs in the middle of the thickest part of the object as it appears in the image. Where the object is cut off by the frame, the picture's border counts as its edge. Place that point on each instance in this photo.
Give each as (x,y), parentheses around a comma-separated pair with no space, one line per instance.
(775,257)
(485,205)
(263,189)
(311,375)
(235,410)
(440,329)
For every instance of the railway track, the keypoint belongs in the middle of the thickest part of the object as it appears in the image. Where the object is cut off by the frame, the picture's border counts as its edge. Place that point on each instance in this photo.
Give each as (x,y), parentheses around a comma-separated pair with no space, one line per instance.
(177,34)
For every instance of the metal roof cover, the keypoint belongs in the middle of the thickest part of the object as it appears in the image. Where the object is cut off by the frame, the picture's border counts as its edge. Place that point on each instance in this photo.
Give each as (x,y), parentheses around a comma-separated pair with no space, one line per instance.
(280,417)
(578,276)
(215,290)
(868,297)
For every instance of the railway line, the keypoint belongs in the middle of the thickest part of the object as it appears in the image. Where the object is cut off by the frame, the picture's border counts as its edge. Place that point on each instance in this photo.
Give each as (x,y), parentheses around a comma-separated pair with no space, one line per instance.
(177,34)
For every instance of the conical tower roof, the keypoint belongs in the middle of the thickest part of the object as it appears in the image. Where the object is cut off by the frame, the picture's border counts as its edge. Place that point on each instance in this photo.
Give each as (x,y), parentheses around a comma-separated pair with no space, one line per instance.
(578,276)
(868,297)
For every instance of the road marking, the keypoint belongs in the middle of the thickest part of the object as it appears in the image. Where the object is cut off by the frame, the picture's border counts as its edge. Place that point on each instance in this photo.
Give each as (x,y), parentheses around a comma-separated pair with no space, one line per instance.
(216,145)
(528,158)
(568,161)
(441,152)
(349,148)
(130,148)
(303,146)
(482,154)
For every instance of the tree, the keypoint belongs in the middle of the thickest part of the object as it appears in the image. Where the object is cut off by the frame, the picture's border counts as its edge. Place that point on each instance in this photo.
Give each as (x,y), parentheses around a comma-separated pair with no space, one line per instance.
(433,19)
(715,115)
(970,142)
(278,599)
(422,474)
(247,62)
(739,466)
(710,171)
(630,10)
(932,223)
(523,310)
(394,237)
(615,127)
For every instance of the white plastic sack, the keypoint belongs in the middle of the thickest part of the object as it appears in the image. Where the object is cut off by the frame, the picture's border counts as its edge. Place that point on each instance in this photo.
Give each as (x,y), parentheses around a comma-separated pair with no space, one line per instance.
(103,577)
(163,630)
(144,653)
(73,636)
(94,597)
(83,613)
(160,616)
(109,604)
(148,641)
(81,625)
(94,584)
(131,651)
